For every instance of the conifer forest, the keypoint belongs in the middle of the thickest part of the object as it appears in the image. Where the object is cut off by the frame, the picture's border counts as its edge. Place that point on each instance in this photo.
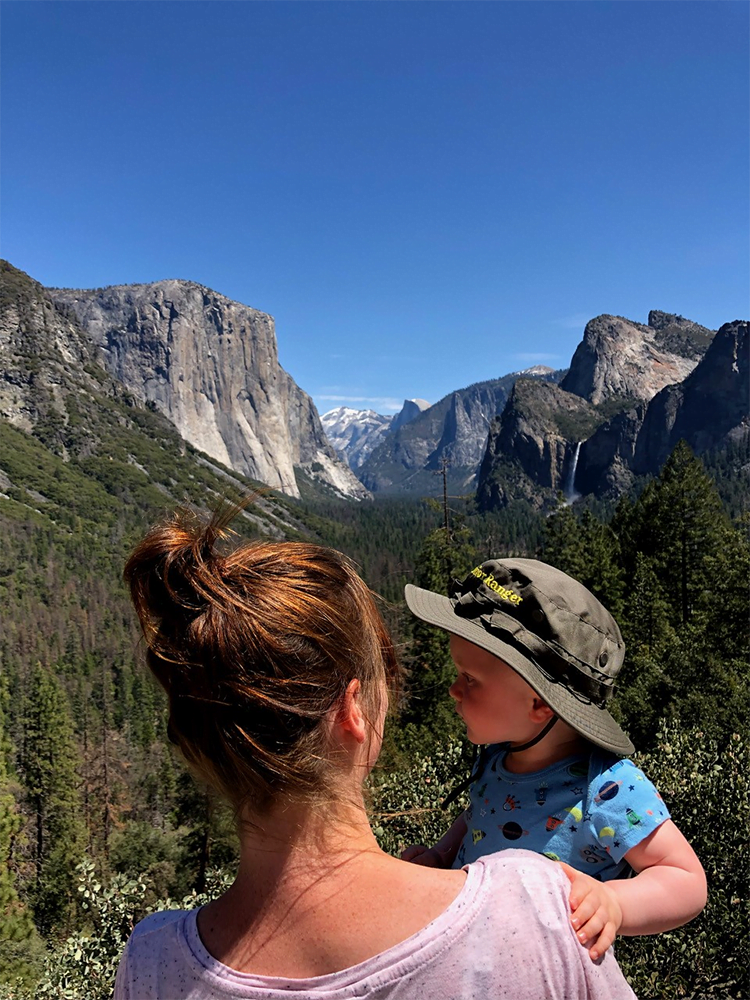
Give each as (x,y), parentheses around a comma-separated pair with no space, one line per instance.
(99,822)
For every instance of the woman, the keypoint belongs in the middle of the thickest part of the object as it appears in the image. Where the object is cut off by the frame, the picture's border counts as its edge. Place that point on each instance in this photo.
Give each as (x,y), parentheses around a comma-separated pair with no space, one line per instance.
(278,667)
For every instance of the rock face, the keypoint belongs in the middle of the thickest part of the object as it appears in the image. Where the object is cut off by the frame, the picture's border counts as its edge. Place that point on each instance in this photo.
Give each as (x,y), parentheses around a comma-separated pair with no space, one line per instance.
(211,366)
(605,464)
(453,430)
(44,356)
(531,448)
(626,360)
(535,445)
(709,409)
(408,412)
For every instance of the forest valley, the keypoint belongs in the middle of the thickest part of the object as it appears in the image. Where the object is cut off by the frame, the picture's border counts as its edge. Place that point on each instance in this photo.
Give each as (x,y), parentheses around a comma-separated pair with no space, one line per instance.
(99,822)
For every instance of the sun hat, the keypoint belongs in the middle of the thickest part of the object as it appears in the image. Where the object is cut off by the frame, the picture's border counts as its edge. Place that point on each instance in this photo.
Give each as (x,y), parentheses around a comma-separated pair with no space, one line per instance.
(545,625)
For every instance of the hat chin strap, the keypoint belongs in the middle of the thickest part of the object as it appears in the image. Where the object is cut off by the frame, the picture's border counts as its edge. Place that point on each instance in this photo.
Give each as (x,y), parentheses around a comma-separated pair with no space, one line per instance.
(537,738)
(480,758)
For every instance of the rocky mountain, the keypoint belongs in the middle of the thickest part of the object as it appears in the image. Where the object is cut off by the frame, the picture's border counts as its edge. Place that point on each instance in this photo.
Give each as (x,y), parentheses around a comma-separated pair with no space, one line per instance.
(408,412)
(453,430)
(44,357)
(78,452)
(708,410)
(638,391)
(210,365)
(710,407)
(529,449)
(355,433)
(622,359)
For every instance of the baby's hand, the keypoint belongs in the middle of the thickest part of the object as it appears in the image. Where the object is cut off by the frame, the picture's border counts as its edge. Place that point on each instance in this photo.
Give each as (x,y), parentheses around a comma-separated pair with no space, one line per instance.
(418,854)
(597,914)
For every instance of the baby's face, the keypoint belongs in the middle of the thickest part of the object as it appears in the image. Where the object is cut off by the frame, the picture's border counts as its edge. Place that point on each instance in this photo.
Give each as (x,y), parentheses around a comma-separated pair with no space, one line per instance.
(490,697)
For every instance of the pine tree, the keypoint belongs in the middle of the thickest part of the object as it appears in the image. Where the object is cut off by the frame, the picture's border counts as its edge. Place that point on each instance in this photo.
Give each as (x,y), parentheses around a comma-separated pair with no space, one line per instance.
(679,521)
(16,925)
(603,573)
(208,832)
(562,542)
(587,550)
(444,555)
(685,618)
(49,765)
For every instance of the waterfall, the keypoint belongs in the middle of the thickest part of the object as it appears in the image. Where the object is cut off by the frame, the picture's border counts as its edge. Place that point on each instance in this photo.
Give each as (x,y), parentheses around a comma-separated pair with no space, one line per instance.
(569,490)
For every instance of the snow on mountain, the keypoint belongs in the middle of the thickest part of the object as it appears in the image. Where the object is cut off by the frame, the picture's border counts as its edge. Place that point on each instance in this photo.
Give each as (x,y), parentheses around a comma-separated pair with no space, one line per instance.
(354,433)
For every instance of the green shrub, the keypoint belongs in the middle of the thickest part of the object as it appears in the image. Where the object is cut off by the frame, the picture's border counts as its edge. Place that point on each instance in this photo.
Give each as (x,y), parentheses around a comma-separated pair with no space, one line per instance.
(406,803)
(84,966)
(706,784)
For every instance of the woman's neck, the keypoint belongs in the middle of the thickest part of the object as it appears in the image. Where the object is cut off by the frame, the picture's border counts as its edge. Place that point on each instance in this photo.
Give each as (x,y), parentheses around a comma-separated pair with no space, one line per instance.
(295,836)
(314,894)
(292,850)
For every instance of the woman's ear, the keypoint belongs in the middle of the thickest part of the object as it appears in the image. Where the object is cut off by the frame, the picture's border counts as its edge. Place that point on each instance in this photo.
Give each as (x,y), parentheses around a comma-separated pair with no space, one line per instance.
(350,716)
(540,710)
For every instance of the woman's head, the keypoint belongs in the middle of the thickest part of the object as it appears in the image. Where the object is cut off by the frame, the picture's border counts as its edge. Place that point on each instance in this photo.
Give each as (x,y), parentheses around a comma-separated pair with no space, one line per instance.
(255,645)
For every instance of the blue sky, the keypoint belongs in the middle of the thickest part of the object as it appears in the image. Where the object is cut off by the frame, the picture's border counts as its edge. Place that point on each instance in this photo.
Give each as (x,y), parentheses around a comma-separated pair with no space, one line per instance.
(423,194)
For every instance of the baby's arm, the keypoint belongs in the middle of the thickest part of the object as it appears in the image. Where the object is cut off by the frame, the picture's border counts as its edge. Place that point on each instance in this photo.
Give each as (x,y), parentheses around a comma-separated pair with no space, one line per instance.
(444,852)
(669,887)
(668,890)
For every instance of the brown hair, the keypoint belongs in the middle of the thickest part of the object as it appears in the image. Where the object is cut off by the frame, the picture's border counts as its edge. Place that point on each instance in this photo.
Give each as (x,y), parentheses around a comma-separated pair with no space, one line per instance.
(254,646)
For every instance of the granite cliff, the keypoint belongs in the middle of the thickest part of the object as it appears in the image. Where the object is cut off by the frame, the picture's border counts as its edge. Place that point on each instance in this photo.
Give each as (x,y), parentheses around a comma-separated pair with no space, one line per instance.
(211,366)
(708,410)
(529,450)
(622,359)
(45,358)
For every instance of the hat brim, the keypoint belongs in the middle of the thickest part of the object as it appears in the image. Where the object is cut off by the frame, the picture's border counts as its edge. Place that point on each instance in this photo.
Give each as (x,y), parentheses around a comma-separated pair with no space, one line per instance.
(596,724)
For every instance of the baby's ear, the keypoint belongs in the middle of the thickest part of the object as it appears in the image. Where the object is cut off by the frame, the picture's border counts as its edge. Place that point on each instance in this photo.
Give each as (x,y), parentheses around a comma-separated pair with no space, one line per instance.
(540,710)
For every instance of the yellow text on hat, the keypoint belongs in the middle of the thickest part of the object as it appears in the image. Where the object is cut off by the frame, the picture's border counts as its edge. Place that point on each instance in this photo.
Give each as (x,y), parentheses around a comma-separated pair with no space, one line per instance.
(489,581)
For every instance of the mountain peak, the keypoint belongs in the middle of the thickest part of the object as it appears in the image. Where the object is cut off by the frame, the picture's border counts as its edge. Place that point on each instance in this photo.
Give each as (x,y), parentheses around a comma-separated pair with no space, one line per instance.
(620,358)
(408,412)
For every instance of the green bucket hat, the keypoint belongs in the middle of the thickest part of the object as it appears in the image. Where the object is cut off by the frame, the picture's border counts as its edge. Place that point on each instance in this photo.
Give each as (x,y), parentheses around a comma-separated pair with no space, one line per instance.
(545,625)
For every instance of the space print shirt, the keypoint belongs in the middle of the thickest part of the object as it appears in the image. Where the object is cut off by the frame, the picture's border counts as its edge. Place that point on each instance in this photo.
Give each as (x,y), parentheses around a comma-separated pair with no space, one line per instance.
(586,810)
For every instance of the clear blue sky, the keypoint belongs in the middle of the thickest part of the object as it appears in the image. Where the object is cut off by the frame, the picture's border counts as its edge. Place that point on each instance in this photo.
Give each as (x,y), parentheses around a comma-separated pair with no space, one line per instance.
(422,194)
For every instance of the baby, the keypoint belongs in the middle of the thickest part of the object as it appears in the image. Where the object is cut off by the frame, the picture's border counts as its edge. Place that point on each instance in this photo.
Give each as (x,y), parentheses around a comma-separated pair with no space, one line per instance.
(537,656)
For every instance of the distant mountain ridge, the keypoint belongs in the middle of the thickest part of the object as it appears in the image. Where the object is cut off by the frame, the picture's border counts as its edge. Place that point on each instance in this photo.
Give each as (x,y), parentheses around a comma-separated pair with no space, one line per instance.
(210,367)
(355,433)
(453,430)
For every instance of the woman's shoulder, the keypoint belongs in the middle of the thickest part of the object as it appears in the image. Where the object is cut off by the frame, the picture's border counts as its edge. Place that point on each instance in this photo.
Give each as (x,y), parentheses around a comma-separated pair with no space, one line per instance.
(159,925)
(156,949)
(157,934)
(529,880)
(513,862)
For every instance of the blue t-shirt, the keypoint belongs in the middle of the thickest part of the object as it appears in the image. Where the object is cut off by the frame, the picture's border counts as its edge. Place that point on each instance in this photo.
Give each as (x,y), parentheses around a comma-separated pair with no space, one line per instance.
(587,810)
